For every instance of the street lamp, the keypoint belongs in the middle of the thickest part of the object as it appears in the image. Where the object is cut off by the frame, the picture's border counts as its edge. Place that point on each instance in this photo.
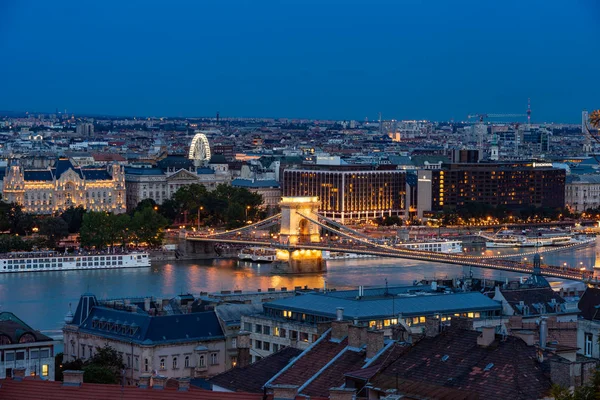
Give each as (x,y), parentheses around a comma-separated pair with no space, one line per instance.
(247,209)
(199,209)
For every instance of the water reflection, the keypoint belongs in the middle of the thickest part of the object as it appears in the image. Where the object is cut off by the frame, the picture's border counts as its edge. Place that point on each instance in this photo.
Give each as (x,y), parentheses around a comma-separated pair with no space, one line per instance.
(42,299)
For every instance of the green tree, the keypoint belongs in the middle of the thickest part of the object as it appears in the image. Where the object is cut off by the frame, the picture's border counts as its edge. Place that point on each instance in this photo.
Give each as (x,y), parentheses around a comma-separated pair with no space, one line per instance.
(96,230)
(148,226)
(73,216)
(104,367)
(54,229)
(146,203)
(169,209)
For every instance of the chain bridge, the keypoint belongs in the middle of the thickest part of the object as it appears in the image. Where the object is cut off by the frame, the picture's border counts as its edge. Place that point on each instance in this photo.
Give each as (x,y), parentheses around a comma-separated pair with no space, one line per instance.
(300,235)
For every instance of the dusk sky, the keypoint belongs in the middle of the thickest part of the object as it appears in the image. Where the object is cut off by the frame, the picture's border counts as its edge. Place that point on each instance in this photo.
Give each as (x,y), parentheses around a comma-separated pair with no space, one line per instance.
(331,59)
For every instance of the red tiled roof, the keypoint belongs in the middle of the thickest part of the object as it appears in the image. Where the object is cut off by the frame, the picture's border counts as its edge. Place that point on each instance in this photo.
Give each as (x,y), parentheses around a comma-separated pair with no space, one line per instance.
(333,376)
(108,157)
(35,389)
(311,362)
(505,370)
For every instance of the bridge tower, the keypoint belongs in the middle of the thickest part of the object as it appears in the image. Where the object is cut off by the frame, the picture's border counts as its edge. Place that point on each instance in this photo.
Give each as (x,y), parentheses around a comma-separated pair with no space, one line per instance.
(597,261)
(297,228)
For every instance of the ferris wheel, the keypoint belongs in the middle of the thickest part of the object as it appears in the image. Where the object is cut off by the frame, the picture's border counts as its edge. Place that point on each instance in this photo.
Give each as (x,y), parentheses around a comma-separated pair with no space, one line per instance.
(199,149)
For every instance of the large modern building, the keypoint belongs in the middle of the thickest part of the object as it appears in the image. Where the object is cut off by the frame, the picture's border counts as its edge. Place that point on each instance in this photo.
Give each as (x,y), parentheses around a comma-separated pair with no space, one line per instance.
(515,185)
(349,192)
(23,348)
(54,189)
(165,336)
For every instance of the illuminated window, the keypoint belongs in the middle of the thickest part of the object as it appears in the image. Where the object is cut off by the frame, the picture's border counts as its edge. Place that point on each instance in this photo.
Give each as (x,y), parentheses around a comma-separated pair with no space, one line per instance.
(470,315)
(415,320)
(275,331)
(422,320)
(45,370)
(386,322)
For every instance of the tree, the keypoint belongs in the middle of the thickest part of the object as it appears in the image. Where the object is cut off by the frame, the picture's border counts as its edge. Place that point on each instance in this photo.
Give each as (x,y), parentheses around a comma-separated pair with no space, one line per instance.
(54,229)
(169,209)
(148,226)
(104,367)
(95,230)
(146,203)
(73,216)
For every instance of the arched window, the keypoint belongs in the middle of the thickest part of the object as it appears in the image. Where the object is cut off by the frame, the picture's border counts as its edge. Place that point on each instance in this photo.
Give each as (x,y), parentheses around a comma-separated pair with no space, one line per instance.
(186,361)
(201,362)
(174,362)
(213,359)
(146,365)
(162,363)
(4,340)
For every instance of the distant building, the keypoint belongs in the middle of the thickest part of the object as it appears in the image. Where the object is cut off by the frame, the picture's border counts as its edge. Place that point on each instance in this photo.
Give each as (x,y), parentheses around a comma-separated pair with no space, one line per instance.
(349,192)
(582,192)
(85,129)
(54,189)
(514,185)
(157,336)
(170,174)
(268,188)
(25,349)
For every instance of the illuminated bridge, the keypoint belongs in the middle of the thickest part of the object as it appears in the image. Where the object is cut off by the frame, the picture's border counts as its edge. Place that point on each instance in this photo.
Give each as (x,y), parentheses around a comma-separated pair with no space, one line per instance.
(301,231)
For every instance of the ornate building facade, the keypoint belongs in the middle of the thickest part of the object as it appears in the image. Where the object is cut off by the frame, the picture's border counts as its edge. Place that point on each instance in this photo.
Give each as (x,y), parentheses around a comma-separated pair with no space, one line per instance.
(54,189)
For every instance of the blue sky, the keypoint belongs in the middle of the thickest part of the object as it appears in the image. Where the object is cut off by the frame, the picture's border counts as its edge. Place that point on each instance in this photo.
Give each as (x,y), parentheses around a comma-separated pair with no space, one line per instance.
(343,59)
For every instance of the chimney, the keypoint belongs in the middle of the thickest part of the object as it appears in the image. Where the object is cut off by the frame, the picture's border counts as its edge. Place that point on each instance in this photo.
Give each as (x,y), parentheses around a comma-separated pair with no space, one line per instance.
(432,327)
(159,382)
(487,337)
(339,330)
(147,304)
(357,336)
(339,313)
(183,384)
(243,346)
(543,333)
(322,327)
(284,392)
(374,343)
(19,374)
(72,378)
(341,393)
(144,382)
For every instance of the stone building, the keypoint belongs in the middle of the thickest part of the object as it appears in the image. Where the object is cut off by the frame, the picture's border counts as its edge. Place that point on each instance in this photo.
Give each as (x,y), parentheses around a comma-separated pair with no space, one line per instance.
(153,336)
(582,192)
(24,350)
(54,189)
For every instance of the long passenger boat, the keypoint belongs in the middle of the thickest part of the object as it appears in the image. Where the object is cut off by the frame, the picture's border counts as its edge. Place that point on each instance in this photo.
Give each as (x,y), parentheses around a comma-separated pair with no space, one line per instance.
(39,261)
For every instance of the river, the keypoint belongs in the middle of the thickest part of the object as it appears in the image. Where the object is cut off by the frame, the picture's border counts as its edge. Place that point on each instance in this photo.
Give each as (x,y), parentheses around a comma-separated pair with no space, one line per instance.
(42,299)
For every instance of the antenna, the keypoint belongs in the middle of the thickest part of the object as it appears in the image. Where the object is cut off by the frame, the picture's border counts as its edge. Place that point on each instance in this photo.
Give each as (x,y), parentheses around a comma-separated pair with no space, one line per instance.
(529,112)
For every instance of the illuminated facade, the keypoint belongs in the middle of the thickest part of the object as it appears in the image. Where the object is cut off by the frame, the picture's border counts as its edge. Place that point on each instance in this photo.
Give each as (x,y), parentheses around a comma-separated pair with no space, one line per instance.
(54,189)
(514,185)
(349,193)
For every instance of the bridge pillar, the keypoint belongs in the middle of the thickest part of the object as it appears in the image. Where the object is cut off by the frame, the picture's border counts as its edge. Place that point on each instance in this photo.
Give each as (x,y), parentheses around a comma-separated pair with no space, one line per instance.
(597,261)
(295,230)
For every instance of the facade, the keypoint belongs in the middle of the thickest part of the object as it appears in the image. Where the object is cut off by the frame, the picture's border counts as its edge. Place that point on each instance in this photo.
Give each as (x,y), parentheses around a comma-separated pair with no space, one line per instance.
(349,192)
(153,336)
(172,173)
(54,189)
(582,192)
(295,321)
(269,190)
(25,349)
(514,185)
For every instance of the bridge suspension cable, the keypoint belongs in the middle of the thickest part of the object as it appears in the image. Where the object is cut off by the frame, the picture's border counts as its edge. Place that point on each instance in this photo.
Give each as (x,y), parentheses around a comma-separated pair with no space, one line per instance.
(341,226)
(247,227)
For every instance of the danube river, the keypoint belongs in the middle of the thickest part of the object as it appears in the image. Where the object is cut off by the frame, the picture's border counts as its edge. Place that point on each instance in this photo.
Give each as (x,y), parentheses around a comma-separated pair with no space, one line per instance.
(42,299)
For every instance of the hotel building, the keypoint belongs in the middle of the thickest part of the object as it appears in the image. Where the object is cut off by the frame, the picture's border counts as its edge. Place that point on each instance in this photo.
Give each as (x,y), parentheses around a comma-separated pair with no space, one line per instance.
(349,192)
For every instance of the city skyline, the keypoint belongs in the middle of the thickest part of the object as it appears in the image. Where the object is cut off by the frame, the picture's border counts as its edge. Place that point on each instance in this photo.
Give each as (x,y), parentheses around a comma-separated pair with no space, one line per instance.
(407,61)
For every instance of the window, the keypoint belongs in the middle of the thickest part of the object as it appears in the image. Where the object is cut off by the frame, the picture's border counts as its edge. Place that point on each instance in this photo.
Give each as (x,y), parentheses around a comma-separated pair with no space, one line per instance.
(304,336)
(589,343)
(275,347)
(201,362)
(20,355)
(234,343)
(266,346)
(162,363)
(174,362)
(294,335)
(136,363)
(83,351)
(34,354)
(9,356)
(275,331)
(186,361)
(45,370)
(213,359)
(258,328)
(287,314)
(248,326)
(267,330)
(233,361)
(258,344)
(146,365)
(282,333)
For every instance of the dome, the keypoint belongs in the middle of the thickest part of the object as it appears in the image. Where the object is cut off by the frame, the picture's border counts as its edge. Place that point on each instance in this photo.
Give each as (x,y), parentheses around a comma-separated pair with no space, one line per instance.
(69,317)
